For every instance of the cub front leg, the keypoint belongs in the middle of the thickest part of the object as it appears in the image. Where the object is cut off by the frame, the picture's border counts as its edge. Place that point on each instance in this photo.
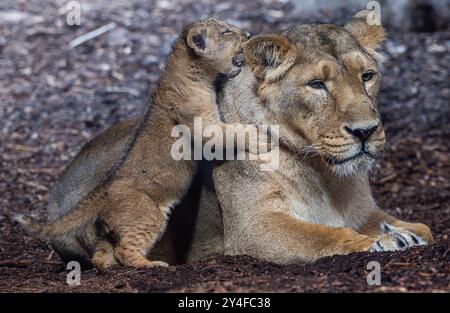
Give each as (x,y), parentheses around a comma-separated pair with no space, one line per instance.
(256,139)
(395,234)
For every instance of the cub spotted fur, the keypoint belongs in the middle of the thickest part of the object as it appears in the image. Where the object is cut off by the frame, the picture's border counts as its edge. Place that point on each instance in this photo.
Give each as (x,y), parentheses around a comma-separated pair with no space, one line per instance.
(116,195)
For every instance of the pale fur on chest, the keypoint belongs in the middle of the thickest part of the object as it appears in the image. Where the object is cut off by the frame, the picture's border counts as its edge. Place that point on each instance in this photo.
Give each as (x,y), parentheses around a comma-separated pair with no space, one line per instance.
(313,200)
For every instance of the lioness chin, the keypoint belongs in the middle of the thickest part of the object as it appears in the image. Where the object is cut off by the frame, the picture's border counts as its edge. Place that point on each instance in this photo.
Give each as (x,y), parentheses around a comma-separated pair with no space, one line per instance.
(320,84)
(112,203)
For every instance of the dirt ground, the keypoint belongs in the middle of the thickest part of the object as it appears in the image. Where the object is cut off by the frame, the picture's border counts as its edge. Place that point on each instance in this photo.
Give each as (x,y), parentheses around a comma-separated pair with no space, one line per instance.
(53,100)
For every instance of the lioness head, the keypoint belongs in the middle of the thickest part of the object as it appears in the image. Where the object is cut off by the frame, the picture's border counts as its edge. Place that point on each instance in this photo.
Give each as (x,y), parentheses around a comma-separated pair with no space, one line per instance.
(321,83)
(218,44)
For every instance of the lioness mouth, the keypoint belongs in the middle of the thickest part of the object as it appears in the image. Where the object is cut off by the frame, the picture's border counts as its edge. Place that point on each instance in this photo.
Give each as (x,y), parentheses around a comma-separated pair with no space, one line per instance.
(336,161)
(238,59)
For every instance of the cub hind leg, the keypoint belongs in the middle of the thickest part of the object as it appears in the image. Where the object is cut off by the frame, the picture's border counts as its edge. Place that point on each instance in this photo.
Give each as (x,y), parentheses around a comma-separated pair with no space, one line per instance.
(137,222)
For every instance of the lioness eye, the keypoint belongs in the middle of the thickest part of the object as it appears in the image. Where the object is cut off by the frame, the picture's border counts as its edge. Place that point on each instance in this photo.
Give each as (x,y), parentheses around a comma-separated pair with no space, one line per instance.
(317,84)
(367,76)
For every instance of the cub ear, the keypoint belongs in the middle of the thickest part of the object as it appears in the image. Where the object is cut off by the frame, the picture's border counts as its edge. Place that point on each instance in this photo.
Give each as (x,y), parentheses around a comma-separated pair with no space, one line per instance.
(197,39)
(269,56)
(364,27)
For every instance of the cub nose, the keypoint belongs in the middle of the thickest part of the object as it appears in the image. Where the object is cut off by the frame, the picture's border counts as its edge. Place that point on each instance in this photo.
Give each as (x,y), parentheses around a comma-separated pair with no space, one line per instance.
(247,34)
(361,133)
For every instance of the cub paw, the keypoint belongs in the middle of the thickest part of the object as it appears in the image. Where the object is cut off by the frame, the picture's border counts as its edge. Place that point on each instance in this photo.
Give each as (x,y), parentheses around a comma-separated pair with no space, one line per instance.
(395,239)
(103,261)
(157,263)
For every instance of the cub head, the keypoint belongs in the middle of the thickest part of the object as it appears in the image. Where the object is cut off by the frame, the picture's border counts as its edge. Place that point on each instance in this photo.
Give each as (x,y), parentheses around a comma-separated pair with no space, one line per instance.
(218,44)
(320,83)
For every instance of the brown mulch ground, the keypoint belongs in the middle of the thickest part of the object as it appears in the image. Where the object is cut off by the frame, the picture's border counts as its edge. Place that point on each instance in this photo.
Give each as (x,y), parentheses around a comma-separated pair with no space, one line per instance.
(53,100)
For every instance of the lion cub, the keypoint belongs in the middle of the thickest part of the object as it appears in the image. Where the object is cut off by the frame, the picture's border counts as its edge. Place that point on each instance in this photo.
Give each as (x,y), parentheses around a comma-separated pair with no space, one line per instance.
(131,200)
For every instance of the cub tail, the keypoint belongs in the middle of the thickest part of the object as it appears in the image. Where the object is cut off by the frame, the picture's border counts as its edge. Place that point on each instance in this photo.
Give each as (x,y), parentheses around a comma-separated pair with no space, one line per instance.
(29,223)
(66,224)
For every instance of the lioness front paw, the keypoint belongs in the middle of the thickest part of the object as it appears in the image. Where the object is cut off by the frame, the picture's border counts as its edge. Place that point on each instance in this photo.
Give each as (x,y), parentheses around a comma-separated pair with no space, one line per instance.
(394,239)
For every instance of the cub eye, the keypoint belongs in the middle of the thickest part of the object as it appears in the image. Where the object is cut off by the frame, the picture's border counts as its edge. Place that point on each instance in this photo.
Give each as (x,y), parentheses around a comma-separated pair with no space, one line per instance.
(227,31)
(317,84)
(367,76)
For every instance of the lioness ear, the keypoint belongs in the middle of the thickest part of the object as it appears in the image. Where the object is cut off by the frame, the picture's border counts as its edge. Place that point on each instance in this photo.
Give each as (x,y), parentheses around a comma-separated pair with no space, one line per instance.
(369,33)
(269,56)
(197,39)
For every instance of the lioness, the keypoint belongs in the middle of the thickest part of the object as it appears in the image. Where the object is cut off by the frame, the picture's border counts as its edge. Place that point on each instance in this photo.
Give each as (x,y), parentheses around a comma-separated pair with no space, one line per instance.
(126,181)
(320,84)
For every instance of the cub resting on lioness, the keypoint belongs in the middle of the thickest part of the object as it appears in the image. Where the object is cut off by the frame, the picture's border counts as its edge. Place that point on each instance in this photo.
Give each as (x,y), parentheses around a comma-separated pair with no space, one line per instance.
(124,186)
(320,84)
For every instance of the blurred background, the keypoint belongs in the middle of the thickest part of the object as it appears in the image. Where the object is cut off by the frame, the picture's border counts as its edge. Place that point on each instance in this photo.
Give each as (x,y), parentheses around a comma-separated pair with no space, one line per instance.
(58,89)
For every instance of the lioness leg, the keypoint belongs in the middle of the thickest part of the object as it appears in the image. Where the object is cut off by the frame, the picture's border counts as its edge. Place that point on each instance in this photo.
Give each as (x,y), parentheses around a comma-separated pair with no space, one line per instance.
(137,222)
(412,234)
(281,238)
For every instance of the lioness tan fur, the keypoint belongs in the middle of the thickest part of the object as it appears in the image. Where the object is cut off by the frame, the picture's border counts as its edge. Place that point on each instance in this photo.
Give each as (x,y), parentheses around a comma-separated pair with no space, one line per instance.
(320,84)
(116,195)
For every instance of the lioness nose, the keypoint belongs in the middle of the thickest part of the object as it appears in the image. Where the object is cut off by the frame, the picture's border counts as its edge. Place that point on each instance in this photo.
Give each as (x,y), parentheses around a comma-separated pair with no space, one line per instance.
(361,133)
